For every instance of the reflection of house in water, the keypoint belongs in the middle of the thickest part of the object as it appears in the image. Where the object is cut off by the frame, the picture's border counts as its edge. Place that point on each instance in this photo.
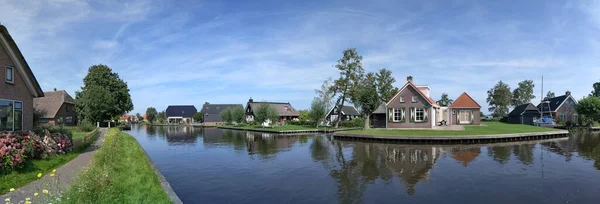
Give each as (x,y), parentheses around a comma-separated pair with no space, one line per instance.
(180,135)
(411,164)
(465,155)
(268,144)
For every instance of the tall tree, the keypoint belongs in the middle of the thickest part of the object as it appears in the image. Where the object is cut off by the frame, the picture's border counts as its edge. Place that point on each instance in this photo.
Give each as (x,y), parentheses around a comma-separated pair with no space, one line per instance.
(596,91)
(351,71)
(238,114)
(367,97)
(139,116)
(590,108)
(326,93)
(102,82)
(226,115)
(265,113)
(304,114)
(198,117)
(550,94)
(151,114)
(445,100)
(499,99)
(523,93)
(161,116)
(317,111)
(385,85)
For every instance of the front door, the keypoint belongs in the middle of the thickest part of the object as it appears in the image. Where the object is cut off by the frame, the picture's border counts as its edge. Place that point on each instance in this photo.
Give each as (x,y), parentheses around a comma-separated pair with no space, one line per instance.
(465,117)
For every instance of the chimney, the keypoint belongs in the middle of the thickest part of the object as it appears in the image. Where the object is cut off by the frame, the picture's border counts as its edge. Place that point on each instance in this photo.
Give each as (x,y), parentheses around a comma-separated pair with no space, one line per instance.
(568,93)
(409,78)
(54,89)
(250,100)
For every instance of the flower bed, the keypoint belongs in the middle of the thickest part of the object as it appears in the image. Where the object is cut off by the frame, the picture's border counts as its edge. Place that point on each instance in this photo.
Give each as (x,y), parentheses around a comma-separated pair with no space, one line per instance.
(18,147)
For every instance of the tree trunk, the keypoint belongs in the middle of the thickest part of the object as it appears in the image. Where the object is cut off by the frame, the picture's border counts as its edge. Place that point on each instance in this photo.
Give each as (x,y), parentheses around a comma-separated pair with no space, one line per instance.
(367,123)
(339,110)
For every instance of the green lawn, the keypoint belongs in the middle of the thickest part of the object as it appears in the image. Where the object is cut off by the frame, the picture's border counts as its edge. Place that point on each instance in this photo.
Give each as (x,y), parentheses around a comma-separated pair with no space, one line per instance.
(21,177)
(120,173)
(76,132)
(491,128)
(280,128)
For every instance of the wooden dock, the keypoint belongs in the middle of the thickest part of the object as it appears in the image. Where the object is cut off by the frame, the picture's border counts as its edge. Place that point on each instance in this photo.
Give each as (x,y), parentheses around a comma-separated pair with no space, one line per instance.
(290,131)
(455,139)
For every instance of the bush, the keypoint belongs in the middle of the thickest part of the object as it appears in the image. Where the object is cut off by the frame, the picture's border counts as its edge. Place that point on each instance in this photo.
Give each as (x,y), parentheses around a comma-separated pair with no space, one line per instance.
(356,122)
(298,122)
(18,147)
(86,127)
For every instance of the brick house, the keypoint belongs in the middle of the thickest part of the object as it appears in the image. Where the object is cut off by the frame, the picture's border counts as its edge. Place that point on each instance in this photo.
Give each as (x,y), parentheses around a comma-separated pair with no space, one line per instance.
(465,111)
(560,108)
(411,107)
(212,112)
(58,108)
(17,88)
(284,110)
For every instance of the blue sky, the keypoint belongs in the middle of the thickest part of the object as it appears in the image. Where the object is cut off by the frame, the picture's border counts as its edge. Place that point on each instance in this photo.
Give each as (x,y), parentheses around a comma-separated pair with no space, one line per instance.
(189,52)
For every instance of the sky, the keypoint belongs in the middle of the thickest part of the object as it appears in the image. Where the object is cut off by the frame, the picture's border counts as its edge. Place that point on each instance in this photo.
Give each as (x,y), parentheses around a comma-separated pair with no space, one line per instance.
(191,52)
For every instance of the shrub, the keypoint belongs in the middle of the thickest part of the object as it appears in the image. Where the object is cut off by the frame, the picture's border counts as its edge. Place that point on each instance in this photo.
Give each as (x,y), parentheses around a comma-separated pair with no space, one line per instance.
(12,153)
(297,122)
(18,147)
(86,127)
(357,122)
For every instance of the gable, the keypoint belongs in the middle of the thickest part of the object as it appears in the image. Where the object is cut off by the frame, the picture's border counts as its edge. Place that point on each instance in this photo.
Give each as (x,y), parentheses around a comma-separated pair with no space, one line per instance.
(465,101)
(409,90)
(11,56)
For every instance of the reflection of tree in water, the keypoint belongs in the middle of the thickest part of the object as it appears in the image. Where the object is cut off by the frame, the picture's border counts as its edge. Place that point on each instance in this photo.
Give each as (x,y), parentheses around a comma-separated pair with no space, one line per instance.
(150,130)
(177,135)
(268,145)
(501,154)
(465,155)
(586,144)
(524,153)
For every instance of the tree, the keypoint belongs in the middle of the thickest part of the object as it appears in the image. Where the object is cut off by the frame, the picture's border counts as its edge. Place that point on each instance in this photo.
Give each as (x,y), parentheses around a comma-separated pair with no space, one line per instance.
(139,116)
(238,114)
(325,93)
(524,93)
(550,94)
(596,91)
(38,114)
(385,85)
(161,116)
(445,100)
(226,116)
(304,114)
(151,114)
(351,72)
(317,111)
(198,116)
(266,113)
(499,99)
(367,97)
(589,107)
(101,82)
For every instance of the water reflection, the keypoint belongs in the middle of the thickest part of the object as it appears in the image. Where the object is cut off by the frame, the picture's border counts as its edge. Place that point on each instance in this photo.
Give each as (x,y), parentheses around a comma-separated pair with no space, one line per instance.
(352,168)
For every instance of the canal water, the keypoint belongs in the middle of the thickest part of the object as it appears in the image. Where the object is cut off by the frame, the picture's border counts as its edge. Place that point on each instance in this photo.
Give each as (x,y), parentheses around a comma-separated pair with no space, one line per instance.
(212,165)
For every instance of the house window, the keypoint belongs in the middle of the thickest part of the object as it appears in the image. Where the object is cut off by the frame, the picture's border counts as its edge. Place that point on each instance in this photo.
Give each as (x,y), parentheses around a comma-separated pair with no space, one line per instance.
(563,117)
(11,115)
(10,75)
(401,99)
(419,114)
(414,99)
(575,118)
(397,115)
(69,119)
(465,116)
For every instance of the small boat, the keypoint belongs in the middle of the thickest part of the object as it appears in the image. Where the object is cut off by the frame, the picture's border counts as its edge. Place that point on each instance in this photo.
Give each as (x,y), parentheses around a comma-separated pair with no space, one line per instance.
(544,122)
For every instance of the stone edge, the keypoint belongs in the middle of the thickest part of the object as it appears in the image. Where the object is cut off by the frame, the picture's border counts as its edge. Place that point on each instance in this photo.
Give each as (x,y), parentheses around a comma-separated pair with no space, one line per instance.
(288,131)
(450,138)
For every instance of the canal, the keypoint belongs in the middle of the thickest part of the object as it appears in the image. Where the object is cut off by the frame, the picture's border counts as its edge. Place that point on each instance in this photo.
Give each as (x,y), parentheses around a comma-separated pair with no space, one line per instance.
(212,165)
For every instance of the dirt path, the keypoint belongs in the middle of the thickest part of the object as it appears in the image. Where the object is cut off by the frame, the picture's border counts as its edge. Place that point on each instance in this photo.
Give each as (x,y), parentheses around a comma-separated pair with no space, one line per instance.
(64,175)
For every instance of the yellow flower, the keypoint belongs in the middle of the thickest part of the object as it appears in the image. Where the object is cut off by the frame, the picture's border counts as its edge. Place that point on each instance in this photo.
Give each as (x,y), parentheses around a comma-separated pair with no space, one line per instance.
(52,175)
(45,191)
(27,202)
(12,189)
(39,175)
(53,170)
(27,199)
(36,194)
(7,200)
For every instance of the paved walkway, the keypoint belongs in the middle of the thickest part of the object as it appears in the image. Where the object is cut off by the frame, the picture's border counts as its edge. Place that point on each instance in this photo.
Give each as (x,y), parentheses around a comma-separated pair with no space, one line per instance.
(64,174)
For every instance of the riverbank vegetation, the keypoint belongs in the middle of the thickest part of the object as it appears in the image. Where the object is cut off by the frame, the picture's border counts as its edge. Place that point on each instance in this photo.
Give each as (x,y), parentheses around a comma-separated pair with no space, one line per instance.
(120,173)
(488,128)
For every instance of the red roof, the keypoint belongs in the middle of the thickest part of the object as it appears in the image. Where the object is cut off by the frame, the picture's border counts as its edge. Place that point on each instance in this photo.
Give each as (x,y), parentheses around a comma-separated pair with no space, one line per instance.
(429,99)
(465,101)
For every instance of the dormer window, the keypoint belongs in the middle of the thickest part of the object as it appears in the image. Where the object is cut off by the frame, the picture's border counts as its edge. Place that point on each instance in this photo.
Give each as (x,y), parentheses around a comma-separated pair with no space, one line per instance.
(10,75)
(414,99)
(401,99)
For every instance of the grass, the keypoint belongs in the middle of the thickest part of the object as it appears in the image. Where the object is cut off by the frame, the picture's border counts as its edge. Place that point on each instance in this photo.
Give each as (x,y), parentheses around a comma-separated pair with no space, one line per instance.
(120,173)
(27,174)
(76,131)
(280,128)
(490,128)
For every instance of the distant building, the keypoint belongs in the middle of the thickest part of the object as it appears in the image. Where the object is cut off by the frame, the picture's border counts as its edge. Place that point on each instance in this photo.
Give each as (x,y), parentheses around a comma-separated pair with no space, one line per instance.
(58,107)
(560,108)
(347,113)
(465,111)
(284,110)
(524,114)
(128,118)
(182,114)
(211,113)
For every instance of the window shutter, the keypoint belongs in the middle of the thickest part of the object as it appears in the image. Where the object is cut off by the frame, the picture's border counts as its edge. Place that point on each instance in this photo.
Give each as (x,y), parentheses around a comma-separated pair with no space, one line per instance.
(390,114)
(471,117)
(425,113)
(403,115)
(412,114)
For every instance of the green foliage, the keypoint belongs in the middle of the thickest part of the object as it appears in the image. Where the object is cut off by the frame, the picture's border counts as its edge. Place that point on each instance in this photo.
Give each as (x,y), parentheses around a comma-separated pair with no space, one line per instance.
(351,71)
(266,112)
(499,99)
(590,108)
(357,122)
(317,111)
(385,85)
(226,115)
(198,117)
(161,117)
(303,114)
(445,100)
(37,115)
(151,114)
(239,114)
(325,93)
(139,117)
(523,93)
(550,94)
(366,96)
(596,91)
(103,96)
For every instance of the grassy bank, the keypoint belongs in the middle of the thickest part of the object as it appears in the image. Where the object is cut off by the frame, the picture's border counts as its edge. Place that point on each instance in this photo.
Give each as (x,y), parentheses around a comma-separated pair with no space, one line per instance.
(21,177)
(120,173)
(490,128)
(279,128)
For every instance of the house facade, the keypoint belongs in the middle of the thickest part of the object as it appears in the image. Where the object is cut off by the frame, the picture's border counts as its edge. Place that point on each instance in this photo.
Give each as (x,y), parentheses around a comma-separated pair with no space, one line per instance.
(347,113)
(524,114)
(18,86)
(411,107)
(211,113)
(464,111)
(285,110)
(180,114)
(560,108)
(58,107)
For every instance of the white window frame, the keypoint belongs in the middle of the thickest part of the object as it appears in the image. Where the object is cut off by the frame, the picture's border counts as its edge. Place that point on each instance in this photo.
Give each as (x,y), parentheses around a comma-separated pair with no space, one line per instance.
(563,117)
(397,117)
(422,111)
(12,75)
(401,99)
(414,99)
(13,109)
(460,114)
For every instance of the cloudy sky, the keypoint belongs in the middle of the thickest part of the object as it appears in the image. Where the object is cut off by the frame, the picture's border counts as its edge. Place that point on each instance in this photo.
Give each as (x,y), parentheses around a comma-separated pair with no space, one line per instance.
(189,52)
